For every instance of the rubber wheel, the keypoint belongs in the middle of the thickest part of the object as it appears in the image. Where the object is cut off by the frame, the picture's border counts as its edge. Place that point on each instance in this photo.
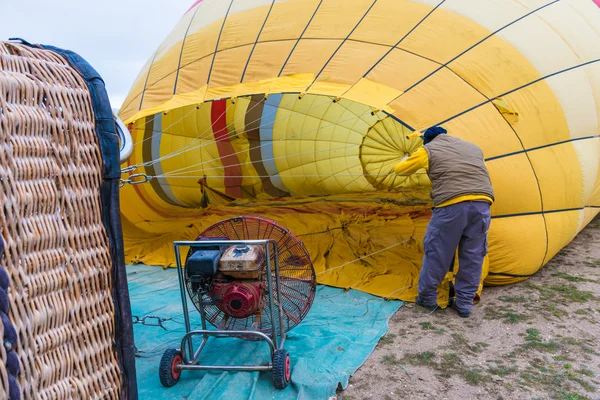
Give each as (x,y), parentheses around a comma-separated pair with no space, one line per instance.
(168,372)
(282,371)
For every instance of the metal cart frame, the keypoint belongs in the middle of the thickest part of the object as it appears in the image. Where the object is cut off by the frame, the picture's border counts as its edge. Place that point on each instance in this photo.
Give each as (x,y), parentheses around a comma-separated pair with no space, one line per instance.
(187,345)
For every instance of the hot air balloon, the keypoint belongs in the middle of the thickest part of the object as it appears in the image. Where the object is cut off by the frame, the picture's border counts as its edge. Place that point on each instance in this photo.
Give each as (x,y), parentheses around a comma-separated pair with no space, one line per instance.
(299,110)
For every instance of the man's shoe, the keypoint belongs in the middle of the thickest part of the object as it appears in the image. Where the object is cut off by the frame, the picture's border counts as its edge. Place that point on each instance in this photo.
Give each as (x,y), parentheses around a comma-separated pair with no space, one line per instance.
(462,312)
(429,306)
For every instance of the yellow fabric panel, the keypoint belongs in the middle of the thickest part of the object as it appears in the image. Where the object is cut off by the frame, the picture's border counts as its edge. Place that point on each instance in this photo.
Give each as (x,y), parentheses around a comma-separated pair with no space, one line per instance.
(476,127)
(541,120)
(267,59)
(593,72)
(491,14)
(229,65)
(562,228)
(242,28)
(280,26)
(132,101)
(495,67)
(588,154)
(588,215)
(400,69)
(190,134)
(173,41)
(515,186)
(373,93)
(559,174)
(397,16)
(193,75)
(562,15)
(443,92)
(237,121)
(199,46)
(346,15)
(310,56)
(517,254)
(161,78)
(345,69)
(444,35)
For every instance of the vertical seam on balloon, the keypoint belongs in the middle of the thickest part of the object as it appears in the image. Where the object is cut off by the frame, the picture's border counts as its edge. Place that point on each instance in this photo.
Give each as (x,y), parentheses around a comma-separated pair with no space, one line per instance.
(217,45)
(538,185)
(526,154)
(182,47)
(256,41)
(300,38)
(341,44)
(473,46)
(147,78)
(514,153)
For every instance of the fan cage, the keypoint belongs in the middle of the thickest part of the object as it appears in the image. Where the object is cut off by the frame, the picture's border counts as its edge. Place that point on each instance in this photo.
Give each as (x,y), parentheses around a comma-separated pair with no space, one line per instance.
(297,278)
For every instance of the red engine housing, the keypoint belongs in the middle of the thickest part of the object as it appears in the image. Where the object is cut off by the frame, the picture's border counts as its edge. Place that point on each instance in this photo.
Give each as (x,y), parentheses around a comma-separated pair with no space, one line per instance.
(238,299)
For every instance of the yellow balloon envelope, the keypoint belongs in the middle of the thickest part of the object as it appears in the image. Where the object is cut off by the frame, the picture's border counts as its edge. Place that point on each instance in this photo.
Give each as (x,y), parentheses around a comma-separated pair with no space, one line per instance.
(298,111)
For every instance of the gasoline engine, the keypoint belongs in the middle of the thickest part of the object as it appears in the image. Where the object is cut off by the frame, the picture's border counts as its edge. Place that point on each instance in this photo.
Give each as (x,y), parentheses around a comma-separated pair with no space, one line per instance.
(230,278)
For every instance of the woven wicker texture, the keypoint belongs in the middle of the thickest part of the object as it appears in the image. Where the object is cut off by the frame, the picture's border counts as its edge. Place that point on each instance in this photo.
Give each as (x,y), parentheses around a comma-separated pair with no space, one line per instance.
(57,252)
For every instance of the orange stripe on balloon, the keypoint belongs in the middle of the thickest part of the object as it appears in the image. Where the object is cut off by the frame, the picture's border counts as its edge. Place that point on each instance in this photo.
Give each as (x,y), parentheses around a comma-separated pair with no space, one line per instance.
(233,172)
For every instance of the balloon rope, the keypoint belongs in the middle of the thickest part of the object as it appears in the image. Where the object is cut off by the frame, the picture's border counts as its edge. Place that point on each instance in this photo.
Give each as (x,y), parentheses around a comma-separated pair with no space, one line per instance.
(206,134)
(264,144)
(180,173)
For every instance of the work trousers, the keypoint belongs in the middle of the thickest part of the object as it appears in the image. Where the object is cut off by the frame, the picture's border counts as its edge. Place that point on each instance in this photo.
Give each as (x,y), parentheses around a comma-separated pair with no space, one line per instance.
(464,226)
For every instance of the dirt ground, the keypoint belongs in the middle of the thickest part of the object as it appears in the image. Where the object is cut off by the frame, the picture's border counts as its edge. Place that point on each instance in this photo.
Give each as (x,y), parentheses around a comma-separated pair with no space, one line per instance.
(534,340)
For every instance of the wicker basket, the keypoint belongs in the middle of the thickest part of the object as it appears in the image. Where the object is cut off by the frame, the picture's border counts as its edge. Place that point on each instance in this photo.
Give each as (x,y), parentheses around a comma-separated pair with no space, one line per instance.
(57,250)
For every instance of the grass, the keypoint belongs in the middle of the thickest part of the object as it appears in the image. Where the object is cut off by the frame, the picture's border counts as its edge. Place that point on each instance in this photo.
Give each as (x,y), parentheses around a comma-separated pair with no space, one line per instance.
(533,341)
(507,315)
(571,396)
(427,325)
(592,263)
(474,377)
(424,358)
(515,299)
(462,343)
(570,277)
(503,371)
(567,293)
(391,359)
(387,339)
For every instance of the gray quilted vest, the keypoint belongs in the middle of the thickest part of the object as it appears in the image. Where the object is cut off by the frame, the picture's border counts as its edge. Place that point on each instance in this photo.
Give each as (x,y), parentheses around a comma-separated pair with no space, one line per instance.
(456,168)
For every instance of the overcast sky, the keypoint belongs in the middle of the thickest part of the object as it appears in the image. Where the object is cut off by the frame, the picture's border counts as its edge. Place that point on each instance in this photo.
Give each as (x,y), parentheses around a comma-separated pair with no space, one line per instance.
(115,36)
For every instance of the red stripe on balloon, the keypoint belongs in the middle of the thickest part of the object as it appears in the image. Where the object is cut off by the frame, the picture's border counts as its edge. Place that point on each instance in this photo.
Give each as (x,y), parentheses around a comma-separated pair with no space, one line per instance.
(597,2)
(233,172)
(194,5)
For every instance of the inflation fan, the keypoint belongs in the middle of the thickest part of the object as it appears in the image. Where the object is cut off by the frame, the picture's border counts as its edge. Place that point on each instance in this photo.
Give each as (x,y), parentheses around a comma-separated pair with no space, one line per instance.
(251,279)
